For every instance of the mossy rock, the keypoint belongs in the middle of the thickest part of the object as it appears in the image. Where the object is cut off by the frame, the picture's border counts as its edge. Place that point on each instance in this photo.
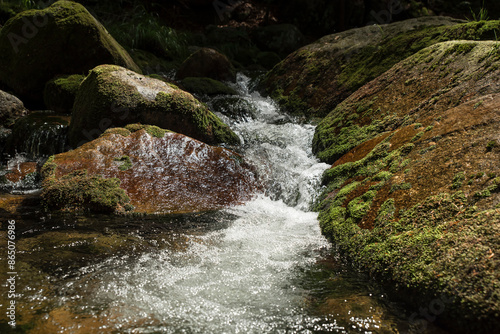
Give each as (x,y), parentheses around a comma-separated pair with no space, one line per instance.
(11,108)
(161,172)
(79,191)
(316,78)
(206,86)
(207,63)
(413,194)
(113,96)
(64,38)
(59,93)
(235,107)
(427,83)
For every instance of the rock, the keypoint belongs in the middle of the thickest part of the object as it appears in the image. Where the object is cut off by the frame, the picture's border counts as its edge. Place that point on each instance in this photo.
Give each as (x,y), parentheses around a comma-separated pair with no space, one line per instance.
(280,38)
(40,134)
(208,63)
(114,96)
(206,86)
(413,192)
(59,93)
(64,38)
(11,108)
(161,171)
(317,77)
(235,107)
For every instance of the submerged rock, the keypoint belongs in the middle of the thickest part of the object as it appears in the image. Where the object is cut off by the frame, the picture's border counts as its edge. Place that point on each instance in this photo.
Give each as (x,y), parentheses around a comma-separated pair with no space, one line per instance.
(208,63)
(161,171)
(64,38)
(114,96)
(413,193)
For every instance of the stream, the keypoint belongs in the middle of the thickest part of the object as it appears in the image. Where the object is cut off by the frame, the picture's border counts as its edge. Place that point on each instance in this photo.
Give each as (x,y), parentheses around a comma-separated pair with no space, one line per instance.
(261,267)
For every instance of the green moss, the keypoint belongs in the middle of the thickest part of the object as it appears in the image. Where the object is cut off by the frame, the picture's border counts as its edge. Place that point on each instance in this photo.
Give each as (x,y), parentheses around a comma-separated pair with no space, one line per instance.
(460,49)
(334,136)
(400,186)
(124,163)
(152,130)
(48,168)
(103,95)
(458,180)
(417,136)
(359,207)
(433,247)
(79,191)
(382,176)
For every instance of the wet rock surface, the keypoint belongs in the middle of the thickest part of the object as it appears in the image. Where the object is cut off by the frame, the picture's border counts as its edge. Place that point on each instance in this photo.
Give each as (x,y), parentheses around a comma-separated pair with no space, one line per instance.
(163,172)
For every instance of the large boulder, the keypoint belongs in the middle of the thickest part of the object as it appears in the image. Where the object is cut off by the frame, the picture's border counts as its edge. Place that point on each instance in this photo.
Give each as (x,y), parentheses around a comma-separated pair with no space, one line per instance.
(413,192)
(11,108)
(208,63)
(160,171)
(113,96)
(37,45)
(317,77)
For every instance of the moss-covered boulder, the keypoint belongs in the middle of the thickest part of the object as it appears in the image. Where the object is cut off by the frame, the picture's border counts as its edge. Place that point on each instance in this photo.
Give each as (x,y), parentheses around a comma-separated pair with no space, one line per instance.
(59,93)
(11,108)
(161,171)
(113,96)
(314,79)
(413,193)
(64,38)
(208,63)
(431,81)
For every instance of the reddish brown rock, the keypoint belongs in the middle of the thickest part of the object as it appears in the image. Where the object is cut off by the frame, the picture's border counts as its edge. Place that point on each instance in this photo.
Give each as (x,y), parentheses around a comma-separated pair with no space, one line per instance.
(163,172)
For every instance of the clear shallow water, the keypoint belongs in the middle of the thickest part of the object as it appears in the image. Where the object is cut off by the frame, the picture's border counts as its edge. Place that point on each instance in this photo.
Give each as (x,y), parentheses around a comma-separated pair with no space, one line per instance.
(262,267)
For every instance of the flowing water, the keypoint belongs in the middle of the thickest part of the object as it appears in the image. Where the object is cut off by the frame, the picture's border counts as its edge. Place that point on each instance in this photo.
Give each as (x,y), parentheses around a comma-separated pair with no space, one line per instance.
(262,267)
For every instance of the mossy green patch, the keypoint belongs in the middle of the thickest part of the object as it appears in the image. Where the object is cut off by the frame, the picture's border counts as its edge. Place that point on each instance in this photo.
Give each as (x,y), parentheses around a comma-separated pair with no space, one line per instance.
(79,191)
(124,163)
